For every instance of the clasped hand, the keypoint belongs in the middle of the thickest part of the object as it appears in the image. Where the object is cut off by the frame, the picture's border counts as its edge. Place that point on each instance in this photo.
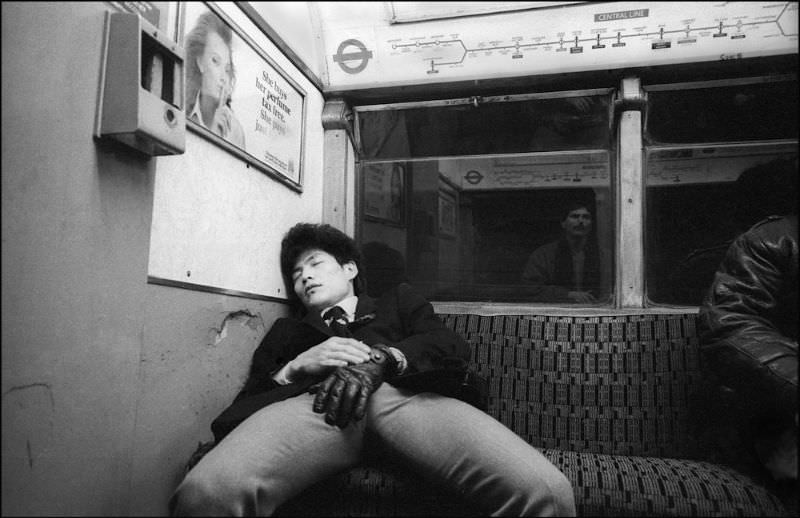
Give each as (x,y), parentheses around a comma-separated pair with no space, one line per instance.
(334,352)
(343,395)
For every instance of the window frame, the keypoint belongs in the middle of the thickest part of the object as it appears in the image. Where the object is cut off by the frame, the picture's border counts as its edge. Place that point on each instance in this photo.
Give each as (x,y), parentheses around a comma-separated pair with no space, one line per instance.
(650,147)
(628,188)
(360,162)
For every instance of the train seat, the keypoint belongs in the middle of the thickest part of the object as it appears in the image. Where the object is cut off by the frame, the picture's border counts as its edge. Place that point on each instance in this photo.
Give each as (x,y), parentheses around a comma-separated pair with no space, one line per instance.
(608,399)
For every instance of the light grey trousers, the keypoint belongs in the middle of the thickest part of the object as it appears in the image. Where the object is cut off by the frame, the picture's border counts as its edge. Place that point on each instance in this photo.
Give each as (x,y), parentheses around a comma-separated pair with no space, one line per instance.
(285,447)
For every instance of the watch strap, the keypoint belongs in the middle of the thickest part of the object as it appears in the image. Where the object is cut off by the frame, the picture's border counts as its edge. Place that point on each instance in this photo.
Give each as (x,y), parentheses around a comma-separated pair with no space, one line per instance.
(382,354)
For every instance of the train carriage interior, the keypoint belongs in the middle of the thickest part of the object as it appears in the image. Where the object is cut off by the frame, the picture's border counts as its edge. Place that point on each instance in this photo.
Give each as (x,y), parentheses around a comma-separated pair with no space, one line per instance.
(455,142)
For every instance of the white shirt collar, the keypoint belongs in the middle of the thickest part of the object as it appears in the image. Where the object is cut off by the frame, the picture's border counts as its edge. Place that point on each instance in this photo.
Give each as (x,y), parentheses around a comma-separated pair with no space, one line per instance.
(348,305)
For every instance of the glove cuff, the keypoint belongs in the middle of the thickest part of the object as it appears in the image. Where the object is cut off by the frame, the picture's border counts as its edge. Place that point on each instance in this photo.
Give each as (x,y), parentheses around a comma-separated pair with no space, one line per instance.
(381,355)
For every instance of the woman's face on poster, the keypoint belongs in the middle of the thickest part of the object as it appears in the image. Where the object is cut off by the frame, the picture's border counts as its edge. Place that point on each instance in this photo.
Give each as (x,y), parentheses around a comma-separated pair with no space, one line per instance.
(215,65)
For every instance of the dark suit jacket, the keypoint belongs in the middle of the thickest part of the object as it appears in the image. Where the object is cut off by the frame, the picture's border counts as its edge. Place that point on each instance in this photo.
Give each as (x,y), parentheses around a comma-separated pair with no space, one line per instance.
(400,318)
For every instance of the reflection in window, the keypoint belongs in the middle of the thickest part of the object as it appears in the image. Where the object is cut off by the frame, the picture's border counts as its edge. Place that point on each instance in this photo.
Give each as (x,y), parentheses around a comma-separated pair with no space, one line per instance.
(719,158)
(746,112)
(690,224)
(462,128)
(506,201)
(484,241)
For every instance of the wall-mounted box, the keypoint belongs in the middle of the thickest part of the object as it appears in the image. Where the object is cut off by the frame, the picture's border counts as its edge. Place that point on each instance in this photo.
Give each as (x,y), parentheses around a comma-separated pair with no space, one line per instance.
(141,87)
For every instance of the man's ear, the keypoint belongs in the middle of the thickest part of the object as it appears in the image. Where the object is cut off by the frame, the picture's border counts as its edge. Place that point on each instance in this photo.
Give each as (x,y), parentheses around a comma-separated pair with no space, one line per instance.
(351,269)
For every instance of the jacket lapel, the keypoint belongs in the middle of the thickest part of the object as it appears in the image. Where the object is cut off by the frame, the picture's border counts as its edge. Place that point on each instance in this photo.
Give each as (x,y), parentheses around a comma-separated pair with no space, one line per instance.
(365,313)
(365,308)
(314,319)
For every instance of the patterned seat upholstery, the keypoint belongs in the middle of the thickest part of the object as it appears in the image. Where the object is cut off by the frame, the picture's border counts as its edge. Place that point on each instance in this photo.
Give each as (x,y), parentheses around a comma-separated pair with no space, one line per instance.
(622,485)
(604,485)
(606,399)
(616,385)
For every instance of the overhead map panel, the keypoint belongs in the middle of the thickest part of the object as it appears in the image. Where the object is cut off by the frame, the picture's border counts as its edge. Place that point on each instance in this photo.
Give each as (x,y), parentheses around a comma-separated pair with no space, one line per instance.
(364,53)
(540,170)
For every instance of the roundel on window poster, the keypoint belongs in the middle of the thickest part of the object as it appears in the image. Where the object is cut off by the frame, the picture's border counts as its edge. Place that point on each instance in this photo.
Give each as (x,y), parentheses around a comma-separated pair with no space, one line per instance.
(473,177)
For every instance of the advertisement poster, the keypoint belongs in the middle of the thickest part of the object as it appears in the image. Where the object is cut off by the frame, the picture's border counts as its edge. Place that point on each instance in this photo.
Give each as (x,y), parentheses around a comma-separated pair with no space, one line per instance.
(237,97)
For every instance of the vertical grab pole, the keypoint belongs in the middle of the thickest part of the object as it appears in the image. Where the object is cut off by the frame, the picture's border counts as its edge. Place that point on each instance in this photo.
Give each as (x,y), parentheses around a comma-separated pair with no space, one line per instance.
(338,166)
(630,190)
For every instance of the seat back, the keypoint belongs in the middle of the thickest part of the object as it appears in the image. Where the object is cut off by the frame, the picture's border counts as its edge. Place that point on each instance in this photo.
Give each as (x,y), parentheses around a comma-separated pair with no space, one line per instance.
(610,384)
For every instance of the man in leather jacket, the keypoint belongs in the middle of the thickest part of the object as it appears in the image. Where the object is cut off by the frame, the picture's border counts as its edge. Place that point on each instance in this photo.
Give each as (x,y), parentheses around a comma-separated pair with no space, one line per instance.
(748,332)
(322,392)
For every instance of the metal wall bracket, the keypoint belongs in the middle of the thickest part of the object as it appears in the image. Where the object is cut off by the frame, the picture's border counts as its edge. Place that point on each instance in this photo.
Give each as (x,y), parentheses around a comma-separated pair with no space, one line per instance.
(630,97)
(337,115)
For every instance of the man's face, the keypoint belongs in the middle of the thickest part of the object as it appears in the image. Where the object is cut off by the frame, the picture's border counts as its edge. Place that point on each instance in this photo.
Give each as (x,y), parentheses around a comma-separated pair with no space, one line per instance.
(320,281)
(578,223)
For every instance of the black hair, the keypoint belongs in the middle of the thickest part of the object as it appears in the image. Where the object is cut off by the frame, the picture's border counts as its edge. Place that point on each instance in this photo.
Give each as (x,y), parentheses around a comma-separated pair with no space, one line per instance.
(317,236)
(575,205)
(764,190)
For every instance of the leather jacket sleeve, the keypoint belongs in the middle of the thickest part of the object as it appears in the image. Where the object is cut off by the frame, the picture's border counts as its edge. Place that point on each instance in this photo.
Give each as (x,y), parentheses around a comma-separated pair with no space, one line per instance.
(748,320)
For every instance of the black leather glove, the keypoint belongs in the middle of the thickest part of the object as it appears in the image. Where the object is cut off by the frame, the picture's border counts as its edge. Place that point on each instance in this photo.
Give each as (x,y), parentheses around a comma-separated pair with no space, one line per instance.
(343,395)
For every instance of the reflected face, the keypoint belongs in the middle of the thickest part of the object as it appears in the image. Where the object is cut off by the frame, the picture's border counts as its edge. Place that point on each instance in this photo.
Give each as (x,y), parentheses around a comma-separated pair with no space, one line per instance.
(578,223)
(320,281)
(215,65)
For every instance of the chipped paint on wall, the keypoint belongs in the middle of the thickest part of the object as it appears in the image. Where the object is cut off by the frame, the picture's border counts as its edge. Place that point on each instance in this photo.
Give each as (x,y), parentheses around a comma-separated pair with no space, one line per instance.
(253,321)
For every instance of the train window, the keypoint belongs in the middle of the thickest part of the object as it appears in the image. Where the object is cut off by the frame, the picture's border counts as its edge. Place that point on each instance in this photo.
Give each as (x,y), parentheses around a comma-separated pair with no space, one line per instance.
(739,112)
(456,196)
(718,159)
(493,125)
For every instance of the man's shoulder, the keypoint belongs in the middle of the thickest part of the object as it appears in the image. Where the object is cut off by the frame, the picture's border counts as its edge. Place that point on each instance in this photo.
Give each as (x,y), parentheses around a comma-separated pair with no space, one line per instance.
(284,324)
(292,329)
(767,221)
(774,226)
(400,297)
(406,291)
(547,248)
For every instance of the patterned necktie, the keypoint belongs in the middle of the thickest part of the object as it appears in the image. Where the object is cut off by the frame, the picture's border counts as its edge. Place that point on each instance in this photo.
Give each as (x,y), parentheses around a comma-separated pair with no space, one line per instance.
(338,322)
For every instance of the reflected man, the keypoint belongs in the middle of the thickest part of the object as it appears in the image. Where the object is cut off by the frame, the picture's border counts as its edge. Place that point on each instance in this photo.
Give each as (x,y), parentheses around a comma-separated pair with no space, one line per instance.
(567,269)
